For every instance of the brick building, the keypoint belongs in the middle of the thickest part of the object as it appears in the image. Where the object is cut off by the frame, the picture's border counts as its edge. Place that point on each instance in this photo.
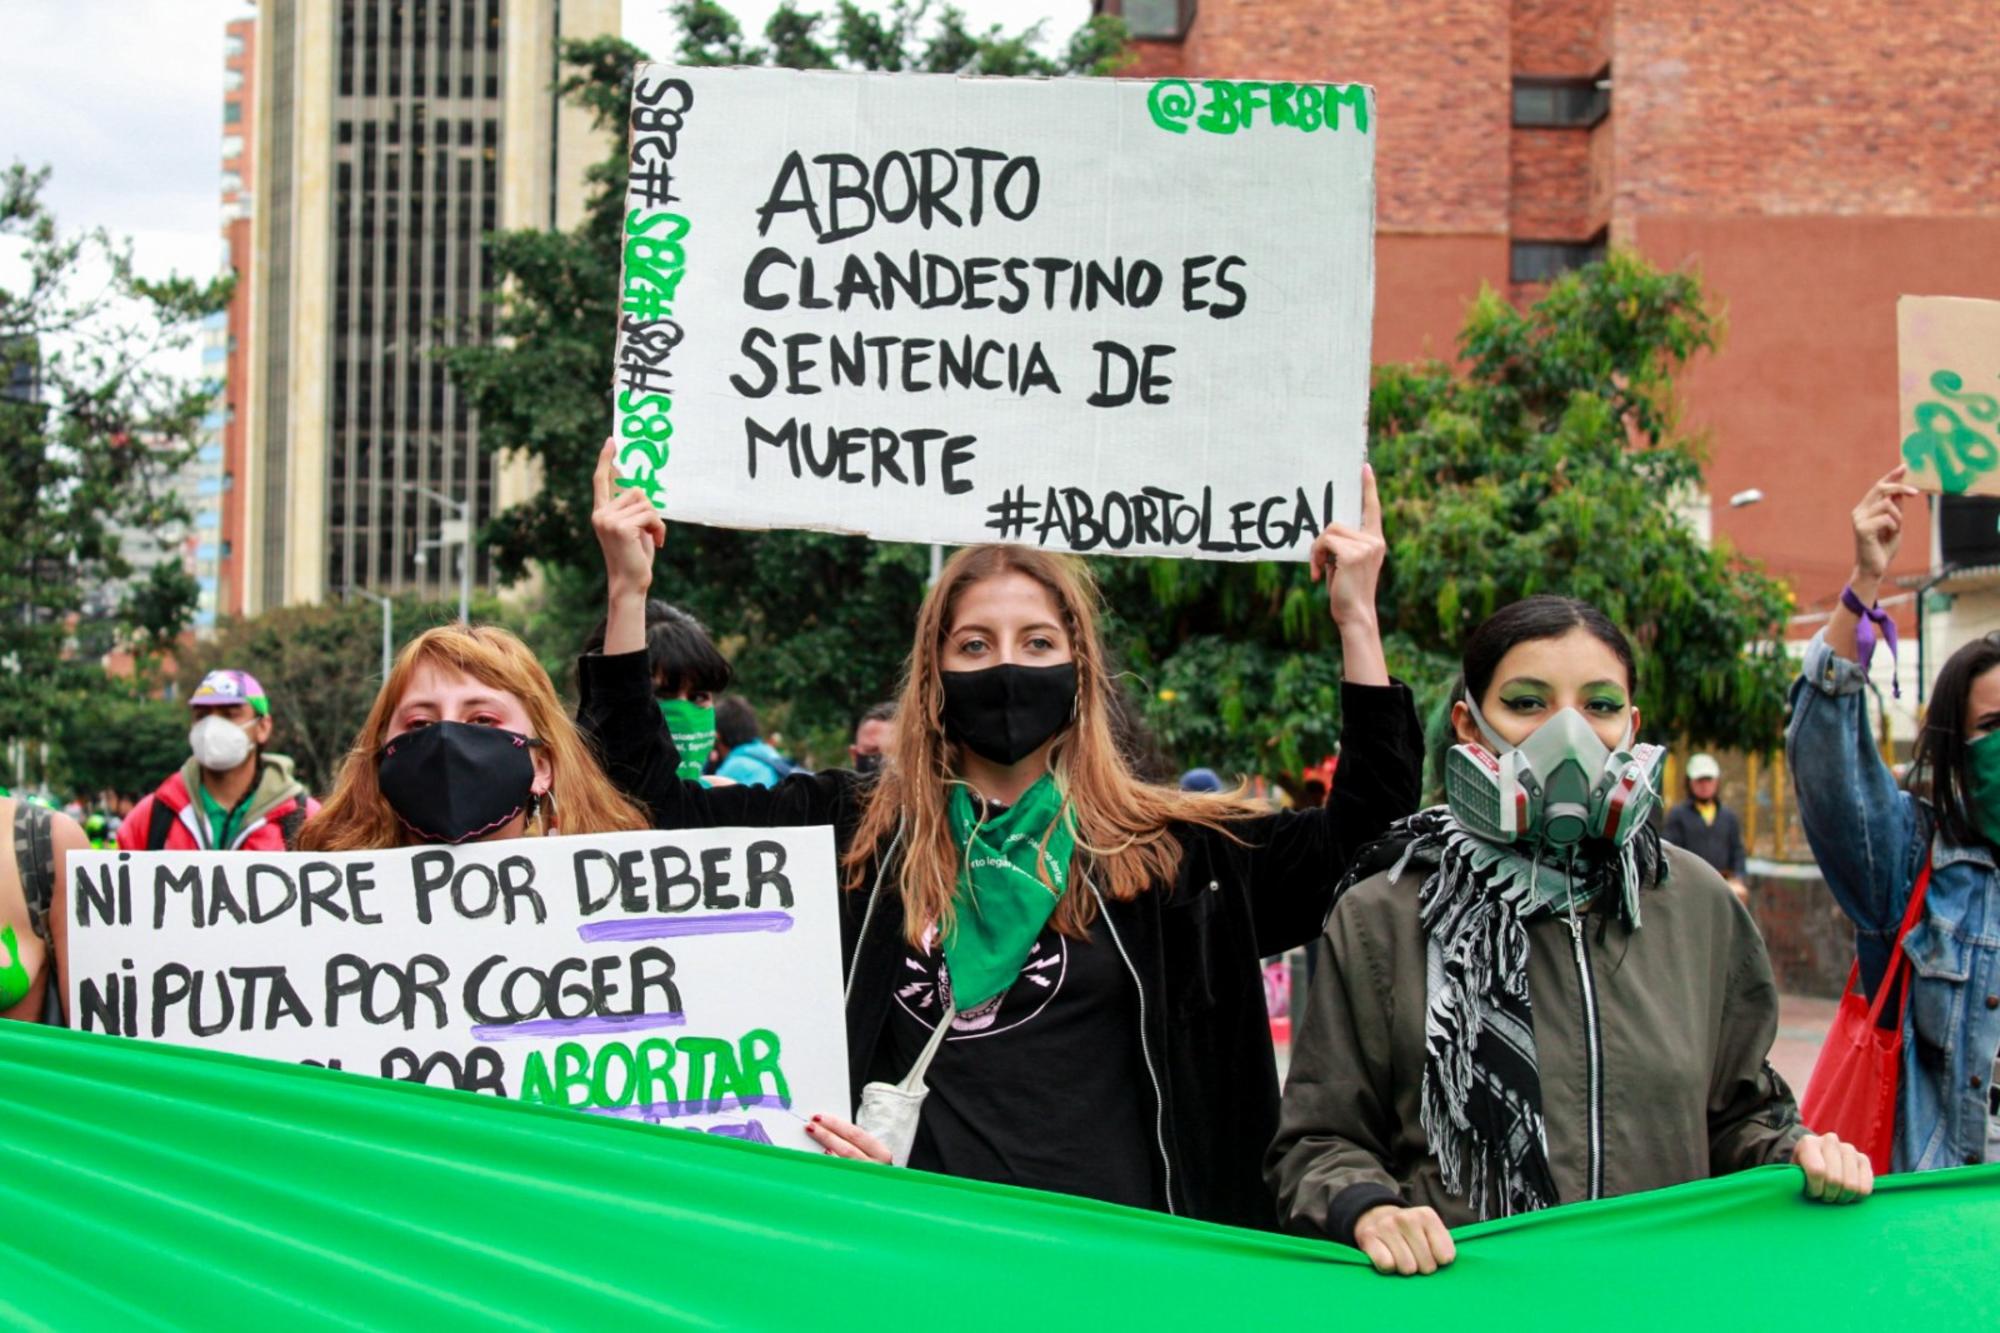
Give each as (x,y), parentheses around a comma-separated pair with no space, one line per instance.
(1813,161)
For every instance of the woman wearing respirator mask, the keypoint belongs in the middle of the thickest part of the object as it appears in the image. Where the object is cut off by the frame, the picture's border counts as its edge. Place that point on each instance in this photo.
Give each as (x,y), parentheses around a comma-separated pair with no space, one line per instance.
(1589,1010)
(1064,956)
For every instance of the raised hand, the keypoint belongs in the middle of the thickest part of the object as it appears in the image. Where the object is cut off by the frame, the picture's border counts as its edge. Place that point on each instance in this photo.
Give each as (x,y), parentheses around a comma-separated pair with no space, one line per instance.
(1878,525)
(629,530)
(1350,561)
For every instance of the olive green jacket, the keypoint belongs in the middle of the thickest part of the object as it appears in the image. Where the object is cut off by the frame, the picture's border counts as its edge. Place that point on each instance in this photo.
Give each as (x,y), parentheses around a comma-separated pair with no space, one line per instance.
(1686,1010)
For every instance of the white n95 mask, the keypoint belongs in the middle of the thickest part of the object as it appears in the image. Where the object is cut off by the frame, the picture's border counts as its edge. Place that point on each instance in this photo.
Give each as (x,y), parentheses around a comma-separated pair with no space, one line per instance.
(218,744)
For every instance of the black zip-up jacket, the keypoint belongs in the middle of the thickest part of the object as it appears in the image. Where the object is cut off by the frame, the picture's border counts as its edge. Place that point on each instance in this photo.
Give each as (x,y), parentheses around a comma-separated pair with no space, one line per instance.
(1193,948)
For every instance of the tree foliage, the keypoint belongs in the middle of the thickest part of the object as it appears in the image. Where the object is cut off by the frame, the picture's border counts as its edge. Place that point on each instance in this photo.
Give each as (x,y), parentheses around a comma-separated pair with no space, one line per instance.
(1545,459)
(92,427)
(1548,460)
(816,625)
(117,740)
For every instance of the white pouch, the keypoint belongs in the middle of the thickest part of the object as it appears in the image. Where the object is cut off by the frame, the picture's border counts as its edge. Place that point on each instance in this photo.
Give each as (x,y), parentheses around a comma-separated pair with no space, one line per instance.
(890,1111)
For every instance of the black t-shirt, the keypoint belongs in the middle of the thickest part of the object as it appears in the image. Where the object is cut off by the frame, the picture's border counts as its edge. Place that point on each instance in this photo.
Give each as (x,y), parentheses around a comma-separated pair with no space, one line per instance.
(1042,1086)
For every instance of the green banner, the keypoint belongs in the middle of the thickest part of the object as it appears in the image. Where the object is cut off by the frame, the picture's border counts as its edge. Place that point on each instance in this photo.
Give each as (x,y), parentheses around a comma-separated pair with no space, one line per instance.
(151,1186)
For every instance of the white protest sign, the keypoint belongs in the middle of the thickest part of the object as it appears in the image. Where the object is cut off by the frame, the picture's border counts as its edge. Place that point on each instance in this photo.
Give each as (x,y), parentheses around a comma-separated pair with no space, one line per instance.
(690,979)
(1948,363)
(1091,315)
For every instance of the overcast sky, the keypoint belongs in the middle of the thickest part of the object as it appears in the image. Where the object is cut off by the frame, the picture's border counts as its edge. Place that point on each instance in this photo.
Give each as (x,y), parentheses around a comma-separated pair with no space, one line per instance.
(123,98)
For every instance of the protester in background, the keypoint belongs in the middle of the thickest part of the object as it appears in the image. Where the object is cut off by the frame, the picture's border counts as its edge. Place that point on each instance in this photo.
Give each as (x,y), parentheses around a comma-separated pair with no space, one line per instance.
(1089,942)
(1872,842)
(689,672)
(874,735)
(466,742)
(1708,828)
(747,758)
(232,795)
(1202,780)
(35,843)
(1555,946)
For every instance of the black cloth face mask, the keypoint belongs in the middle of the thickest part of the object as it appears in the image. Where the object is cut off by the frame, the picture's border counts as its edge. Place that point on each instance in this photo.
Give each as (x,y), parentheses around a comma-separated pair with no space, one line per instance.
(1005,713)
(453,782)
(867,765)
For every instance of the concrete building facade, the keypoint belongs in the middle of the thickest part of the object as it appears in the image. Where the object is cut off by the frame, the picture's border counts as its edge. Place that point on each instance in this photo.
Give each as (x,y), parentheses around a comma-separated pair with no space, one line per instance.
(239,193)
(1811,161)
(393,135)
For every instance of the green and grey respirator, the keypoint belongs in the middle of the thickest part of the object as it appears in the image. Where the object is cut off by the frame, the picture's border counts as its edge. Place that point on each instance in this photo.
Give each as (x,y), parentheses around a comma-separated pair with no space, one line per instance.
(1557,787)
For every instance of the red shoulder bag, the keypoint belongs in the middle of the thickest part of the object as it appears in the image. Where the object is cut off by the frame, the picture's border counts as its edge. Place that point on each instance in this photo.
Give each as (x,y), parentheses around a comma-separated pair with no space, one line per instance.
(1854,1082)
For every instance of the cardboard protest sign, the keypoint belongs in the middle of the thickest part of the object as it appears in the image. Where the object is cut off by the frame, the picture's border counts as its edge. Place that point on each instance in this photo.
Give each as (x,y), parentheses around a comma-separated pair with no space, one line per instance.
(1090,315)
(690,979)
(1948,358)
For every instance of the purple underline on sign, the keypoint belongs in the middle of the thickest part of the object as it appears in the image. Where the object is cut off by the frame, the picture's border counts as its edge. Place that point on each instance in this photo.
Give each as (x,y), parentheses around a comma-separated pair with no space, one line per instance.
(569,1027)
(674,927)
(652,1111)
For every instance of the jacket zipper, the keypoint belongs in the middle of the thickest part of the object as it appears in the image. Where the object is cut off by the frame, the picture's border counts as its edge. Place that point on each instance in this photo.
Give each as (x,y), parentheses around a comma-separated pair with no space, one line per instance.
(1593,1058)
(1145,1053)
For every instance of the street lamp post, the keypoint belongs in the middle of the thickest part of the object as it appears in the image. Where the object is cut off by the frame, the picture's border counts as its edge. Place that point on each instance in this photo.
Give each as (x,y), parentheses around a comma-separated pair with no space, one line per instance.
(462,537)
(388,627)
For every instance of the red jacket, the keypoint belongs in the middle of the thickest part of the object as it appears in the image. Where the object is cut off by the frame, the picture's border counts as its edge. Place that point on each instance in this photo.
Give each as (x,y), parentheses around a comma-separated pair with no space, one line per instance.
(277,797)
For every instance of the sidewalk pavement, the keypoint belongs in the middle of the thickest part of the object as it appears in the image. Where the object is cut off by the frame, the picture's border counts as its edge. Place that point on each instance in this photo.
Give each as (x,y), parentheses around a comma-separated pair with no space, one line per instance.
(1802,1024)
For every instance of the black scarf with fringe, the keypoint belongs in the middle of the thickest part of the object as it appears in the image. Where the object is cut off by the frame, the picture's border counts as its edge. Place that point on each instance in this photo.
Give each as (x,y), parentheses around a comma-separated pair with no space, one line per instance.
(1482,1089)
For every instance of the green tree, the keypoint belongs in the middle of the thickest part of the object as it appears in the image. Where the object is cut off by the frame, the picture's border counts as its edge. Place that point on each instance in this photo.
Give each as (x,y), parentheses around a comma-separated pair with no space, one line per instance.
(91,428)
(116,740)
(1549,460)
(817,625)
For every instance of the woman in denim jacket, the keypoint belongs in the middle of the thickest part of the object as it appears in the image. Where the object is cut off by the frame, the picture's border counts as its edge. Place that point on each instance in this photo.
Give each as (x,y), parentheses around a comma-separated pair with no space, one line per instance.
(1870,839)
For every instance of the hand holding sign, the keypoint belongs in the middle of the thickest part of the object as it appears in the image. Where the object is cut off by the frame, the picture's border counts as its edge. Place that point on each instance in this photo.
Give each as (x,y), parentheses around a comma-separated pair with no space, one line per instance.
(1878,525)
(1350,560)
(629,530)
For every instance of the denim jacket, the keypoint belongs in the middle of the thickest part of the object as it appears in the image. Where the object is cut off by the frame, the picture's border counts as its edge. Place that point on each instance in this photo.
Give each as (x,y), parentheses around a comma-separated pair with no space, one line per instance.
(1869,837)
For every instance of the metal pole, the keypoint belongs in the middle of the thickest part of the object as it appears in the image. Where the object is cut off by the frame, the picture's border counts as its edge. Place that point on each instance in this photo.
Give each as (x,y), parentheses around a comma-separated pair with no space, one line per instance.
(464,511)
(937,562)
(1923,591)
(388,626)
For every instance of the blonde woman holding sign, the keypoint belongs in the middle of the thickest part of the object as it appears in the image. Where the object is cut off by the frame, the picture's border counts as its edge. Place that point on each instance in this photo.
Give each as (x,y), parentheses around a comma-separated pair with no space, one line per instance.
(467,742)
(1091,942)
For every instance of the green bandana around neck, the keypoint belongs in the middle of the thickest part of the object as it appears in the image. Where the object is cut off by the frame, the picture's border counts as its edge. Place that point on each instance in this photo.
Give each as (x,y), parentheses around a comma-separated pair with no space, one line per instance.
(14,978)
(693,730)
(1982,772)
(1008,886)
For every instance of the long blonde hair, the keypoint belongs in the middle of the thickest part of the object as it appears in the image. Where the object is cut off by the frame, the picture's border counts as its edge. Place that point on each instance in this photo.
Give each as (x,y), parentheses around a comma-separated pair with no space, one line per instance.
(1122,824)
(357,817)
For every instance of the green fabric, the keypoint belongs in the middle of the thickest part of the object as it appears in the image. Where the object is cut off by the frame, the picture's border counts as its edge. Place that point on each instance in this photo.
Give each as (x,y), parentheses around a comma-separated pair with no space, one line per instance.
(219,818)
(1982,771)
(1008,885)
(153,1187)
(14,978)
(693,730)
